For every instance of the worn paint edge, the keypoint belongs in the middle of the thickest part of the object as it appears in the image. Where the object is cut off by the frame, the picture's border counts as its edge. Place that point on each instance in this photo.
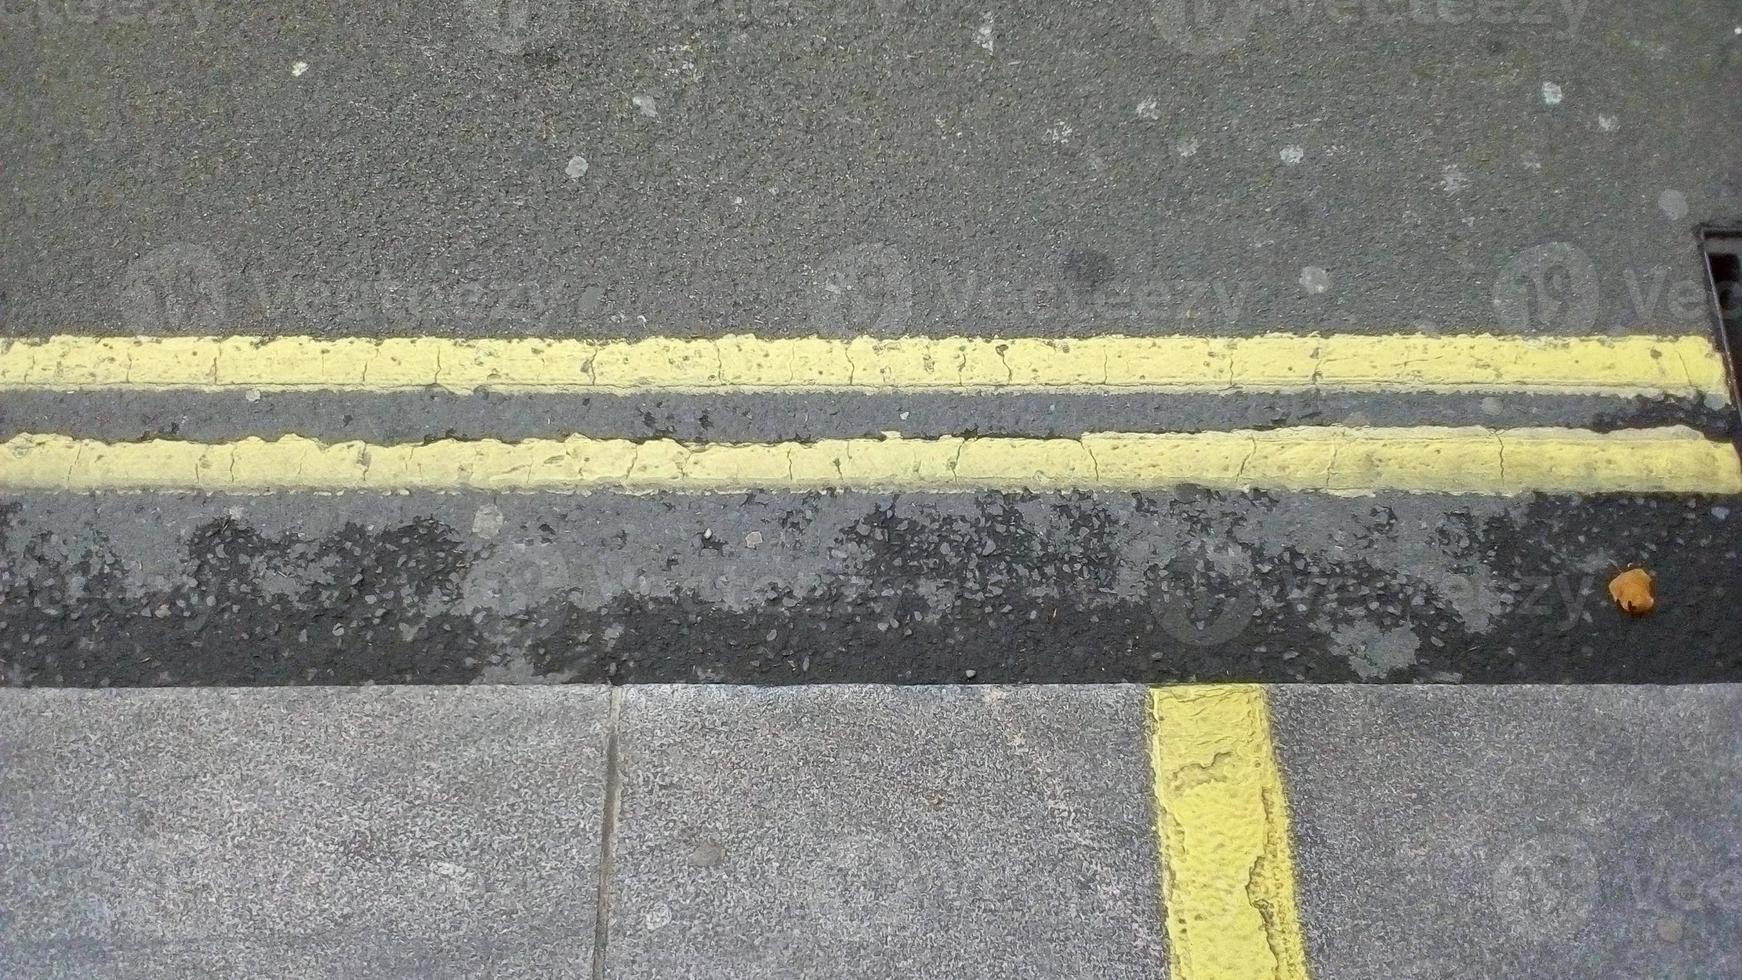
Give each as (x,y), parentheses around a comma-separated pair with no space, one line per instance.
(1227,860)
(1635,365)
(1333,459)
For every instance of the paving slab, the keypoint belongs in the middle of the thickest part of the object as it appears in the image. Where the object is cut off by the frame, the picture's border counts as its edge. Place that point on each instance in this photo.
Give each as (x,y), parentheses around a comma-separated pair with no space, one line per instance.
(1579,833)
(846,831)
(308,832)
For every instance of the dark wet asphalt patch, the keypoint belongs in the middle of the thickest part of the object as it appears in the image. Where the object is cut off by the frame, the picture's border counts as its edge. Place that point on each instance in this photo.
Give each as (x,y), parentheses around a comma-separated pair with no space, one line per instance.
(995,588)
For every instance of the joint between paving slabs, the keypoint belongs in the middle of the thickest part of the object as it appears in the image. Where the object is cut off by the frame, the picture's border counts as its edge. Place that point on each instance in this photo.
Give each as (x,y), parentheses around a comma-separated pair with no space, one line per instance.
(608,833)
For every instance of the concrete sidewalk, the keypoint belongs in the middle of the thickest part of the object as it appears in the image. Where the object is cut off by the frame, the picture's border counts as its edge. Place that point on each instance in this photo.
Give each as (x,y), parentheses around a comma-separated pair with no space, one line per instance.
(848,832)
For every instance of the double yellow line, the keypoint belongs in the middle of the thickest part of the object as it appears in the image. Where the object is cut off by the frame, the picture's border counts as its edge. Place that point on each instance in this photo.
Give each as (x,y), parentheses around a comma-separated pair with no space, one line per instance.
(1312,458)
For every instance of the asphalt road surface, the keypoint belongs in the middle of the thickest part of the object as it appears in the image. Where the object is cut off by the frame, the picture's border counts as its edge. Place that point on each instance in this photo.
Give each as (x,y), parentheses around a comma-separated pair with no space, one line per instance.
(536,173)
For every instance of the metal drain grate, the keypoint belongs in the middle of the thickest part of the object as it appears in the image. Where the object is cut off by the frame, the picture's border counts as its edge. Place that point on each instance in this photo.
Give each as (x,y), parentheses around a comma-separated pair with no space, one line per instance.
(1722,247)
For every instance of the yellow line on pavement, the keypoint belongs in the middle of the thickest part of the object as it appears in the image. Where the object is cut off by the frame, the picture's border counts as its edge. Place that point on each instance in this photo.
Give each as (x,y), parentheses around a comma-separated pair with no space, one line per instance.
(1629,365)
(1228,881)
(1331,458)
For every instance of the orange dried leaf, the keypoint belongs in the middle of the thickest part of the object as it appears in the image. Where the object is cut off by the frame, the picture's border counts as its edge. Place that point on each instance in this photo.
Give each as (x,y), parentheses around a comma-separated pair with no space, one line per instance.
(1631,590)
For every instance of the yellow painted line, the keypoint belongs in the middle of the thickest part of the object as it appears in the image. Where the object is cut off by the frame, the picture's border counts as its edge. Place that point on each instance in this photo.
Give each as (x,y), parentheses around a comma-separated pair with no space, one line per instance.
(1631,365)
(1331,459)
(1228,881)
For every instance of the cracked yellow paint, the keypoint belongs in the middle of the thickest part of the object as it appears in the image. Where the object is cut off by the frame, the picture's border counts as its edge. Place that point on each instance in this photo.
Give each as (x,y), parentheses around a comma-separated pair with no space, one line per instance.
(1332,459)
(1625,366)
(1227,863)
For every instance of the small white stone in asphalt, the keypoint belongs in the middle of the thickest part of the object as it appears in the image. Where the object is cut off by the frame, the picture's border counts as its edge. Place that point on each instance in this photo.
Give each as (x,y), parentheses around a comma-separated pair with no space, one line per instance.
(1673,204)
(1608,123)
(298,68)
(577,167)
(1148,109)
(1292,155)
(1551,94)
(645,104)
(1452,179)
(252,395)
(1315,279)
(487,521)
(1188,148)
(983,33)
(1721,513)
(753,539)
